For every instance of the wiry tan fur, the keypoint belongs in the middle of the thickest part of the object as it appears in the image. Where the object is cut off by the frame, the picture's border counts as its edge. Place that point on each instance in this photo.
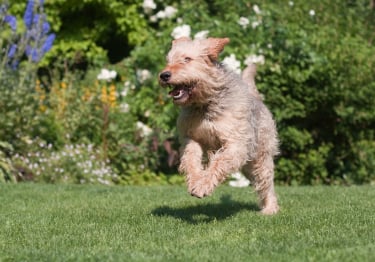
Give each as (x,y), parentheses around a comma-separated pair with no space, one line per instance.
(224,126)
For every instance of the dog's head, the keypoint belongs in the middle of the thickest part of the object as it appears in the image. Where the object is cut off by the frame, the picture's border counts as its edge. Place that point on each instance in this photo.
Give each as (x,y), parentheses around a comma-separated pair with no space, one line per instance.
(192,69)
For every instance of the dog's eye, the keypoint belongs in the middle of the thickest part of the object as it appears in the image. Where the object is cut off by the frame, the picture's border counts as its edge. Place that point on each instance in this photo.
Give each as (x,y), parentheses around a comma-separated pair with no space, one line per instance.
(187,59)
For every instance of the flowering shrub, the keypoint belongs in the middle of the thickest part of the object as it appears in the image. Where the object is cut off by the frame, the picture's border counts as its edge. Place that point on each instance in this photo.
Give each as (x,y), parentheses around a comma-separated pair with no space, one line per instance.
(79,163)
(314,70)
(302,54)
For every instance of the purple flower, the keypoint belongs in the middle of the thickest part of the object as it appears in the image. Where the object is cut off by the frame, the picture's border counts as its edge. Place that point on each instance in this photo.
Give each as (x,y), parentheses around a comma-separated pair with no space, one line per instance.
(12,50)
(14,64)
(11,21)
(28,15)
(46,27)
(48,43)
(33,54)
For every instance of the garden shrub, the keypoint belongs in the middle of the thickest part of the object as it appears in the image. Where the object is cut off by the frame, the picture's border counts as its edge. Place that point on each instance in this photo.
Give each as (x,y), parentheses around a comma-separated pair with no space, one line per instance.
(315,64)
(317,77)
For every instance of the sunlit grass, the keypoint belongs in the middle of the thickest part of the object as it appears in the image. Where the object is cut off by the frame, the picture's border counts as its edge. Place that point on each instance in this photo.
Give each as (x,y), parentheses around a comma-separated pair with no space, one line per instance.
(98,223)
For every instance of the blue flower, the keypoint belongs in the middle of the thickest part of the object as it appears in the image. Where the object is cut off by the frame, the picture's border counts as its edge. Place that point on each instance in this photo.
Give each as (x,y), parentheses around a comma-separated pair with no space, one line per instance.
(46,27)
(48,43)
(28,15)
(12,51)
(33,54)
(11,21)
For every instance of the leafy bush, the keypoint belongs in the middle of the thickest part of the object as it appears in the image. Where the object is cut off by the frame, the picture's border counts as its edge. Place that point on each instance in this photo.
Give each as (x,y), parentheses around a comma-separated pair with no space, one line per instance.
(317,77)
(315,69)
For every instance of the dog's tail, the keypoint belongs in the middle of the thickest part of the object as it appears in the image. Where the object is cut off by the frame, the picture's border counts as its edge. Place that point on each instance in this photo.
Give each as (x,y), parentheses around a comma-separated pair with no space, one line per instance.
(248,76)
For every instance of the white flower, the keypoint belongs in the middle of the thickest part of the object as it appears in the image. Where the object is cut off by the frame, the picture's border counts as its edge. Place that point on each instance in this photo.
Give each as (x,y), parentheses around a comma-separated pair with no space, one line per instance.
(153,18)
(160,14)
(143,128)
(311,12)
(124,107)
(107,75)
(244,22)
(170,11)
(239,180)
(104,182)
(181,31)
(128,84)
(291,3)
(148,6)
(254,59)
(143,75)
(201,35)
(232,63)
(124,92)
(256,9)
(255,24)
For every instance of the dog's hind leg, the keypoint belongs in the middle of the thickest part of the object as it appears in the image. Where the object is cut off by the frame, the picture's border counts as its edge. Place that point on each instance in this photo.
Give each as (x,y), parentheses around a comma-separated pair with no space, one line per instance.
(261,174)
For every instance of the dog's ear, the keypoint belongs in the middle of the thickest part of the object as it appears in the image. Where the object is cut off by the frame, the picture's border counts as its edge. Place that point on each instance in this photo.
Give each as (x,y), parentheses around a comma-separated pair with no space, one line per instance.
(215,46)
(180,40)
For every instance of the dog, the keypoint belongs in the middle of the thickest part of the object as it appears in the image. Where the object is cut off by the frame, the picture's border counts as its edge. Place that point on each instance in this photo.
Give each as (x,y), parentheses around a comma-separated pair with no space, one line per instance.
(223,124)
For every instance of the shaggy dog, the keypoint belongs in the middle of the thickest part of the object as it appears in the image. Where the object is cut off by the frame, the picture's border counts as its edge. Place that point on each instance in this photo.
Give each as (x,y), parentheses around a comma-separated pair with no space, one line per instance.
(223,125)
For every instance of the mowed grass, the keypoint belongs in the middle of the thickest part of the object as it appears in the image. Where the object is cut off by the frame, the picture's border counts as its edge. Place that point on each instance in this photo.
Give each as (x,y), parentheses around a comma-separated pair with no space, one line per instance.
(163,223)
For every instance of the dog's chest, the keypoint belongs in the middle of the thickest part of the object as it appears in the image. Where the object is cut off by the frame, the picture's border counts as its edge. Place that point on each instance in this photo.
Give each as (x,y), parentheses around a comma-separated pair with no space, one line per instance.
(200,128)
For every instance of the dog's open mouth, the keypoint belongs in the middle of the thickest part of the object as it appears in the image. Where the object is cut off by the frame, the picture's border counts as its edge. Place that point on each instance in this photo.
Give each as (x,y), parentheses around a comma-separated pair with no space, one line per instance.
(180,92)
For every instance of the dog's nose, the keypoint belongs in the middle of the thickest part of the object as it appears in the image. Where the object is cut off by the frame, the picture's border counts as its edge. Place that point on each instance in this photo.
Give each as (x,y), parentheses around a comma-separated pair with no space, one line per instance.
(165,76)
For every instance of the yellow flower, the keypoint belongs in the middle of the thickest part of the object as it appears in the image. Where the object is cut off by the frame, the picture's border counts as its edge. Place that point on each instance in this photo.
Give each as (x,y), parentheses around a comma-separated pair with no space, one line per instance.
(112,95)
(87,95)
(42,97)
(104,96)
(42,108)
(63,85)
(37,86)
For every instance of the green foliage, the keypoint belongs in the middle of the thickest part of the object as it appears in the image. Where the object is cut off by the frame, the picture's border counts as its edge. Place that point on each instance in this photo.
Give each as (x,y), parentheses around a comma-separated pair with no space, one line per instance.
(87,29)
(7,170)
(317,79)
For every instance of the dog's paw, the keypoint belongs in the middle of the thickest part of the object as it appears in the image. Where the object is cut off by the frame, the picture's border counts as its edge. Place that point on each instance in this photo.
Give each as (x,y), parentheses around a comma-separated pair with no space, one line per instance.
(202,188)
(270,210)
(191,182)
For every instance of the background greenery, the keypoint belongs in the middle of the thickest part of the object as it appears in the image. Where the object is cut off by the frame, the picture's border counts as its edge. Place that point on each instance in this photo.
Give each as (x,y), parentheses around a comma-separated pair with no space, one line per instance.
(59,123)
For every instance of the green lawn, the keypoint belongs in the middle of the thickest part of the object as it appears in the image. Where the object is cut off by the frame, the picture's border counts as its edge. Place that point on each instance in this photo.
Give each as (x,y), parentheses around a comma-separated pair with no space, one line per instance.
(98,223)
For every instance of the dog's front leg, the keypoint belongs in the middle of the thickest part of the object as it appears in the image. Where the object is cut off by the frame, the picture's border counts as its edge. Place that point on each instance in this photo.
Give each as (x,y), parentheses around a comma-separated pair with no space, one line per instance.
(228,159)
(191,162)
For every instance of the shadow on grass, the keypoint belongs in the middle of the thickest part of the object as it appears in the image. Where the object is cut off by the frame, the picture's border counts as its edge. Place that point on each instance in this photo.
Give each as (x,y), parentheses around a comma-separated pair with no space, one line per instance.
(204,213)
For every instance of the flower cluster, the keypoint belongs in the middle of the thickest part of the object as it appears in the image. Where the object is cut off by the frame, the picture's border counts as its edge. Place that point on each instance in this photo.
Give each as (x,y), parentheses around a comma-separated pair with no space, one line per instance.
(37,34)
(74,163)
(256,20)
(149,6)
(7,18)
(232,63)
(107,75)
(36,41)
(9,21)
